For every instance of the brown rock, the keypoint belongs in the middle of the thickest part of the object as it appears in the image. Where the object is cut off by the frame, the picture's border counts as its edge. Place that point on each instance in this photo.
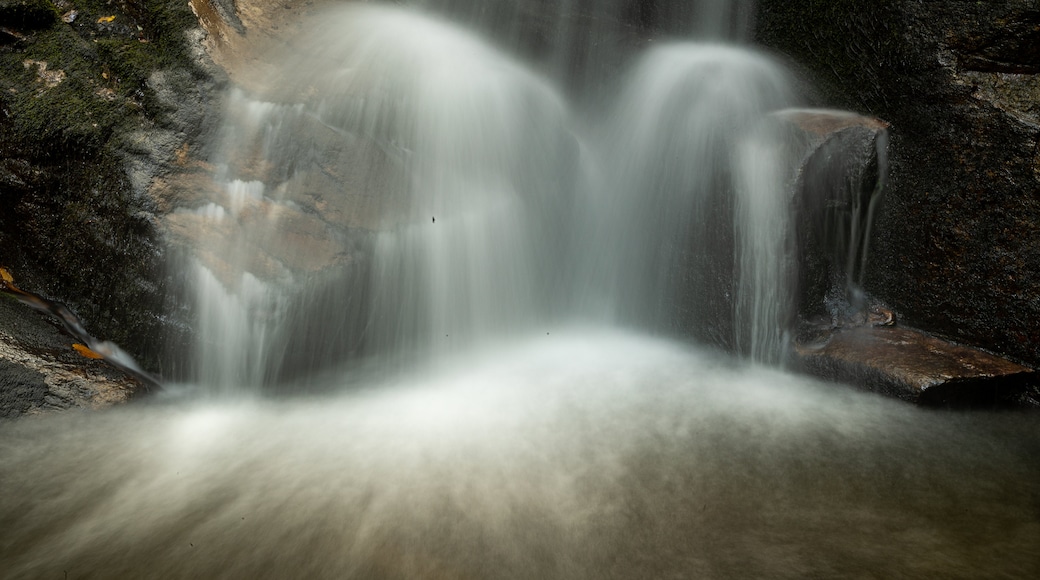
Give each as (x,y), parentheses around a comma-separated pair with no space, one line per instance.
(919,368)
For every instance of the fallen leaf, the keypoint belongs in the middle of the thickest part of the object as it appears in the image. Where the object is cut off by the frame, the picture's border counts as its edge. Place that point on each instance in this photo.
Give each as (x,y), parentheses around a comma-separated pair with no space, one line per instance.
(106,19)
(85,351)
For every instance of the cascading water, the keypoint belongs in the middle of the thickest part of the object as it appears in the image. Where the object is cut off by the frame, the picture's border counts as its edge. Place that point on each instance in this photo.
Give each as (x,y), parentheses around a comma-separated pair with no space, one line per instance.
(684,145)
(492,212)
(407,196)
(464,242)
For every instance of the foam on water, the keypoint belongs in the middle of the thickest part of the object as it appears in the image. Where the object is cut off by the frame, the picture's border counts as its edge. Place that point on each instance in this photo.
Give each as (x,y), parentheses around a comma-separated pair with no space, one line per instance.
(583,454)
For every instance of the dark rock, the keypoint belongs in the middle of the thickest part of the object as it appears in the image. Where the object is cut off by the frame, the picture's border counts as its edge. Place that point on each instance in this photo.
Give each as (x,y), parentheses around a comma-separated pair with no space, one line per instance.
(841,171)
(25,15)
(956,250)
(919,368)
(92,110)
(1001,40)
(21,389)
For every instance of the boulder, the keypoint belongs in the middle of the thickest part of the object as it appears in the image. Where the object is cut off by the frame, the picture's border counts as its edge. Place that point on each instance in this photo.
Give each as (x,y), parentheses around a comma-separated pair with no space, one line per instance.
(919,368)
(955,250)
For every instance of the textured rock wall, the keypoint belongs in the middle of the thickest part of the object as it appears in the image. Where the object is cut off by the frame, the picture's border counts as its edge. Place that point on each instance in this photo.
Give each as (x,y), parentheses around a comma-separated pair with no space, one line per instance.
(957,247)
(96,99)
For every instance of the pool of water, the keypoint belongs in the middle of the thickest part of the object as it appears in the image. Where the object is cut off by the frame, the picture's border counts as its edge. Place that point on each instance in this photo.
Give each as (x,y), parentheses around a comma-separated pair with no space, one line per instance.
(568,454)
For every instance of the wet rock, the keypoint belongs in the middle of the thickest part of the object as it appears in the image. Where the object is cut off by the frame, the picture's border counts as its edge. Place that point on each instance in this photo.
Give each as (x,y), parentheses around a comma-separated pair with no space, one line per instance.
(919,368)
(955,250)
(24,15)
(94,107)
(40,372)
(839,183)
(226,10)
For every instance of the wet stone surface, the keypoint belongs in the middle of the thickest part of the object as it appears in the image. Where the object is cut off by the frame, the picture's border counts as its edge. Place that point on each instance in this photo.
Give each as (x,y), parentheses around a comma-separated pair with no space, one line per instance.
(40,372)
(956,250)
(21,389)
(913,366)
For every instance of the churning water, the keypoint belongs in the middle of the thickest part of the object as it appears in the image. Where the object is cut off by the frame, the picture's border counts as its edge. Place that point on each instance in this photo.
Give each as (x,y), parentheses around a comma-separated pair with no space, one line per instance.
(576,455)
(468,261)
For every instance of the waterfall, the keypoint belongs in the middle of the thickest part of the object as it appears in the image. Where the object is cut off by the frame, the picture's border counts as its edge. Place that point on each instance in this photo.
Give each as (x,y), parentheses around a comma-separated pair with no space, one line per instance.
(460,190)
(480,258)
(685,147)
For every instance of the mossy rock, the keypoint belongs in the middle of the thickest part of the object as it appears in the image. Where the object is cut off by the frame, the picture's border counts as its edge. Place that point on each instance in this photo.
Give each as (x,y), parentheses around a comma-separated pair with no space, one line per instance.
(74,95)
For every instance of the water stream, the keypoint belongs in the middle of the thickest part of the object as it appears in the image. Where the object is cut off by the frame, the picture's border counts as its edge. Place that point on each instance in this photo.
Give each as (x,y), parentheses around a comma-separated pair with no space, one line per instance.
(523,304)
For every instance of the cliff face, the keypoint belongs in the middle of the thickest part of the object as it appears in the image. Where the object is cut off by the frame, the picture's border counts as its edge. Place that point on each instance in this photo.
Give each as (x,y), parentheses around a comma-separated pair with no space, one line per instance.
(956,249)
(96,100)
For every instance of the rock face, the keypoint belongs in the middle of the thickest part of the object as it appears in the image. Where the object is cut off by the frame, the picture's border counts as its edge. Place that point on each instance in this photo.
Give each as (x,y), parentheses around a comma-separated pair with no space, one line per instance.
(96,100)
(956,248)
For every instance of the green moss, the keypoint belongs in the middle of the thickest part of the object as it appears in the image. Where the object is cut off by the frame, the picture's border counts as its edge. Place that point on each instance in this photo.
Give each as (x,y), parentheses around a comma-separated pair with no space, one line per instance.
(105,68)
(72,230)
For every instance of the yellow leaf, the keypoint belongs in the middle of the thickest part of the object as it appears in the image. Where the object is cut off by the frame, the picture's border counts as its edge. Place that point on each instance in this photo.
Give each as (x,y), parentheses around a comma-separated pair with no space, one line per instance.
(85,351)
(7,277)
(106,19)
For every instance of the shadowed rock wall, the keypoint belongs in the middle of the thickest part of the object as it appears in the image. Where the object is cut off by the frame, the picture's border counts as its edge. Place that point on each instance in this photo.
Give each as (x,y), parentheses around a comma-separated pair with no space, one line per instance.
(957,244)
(96,99)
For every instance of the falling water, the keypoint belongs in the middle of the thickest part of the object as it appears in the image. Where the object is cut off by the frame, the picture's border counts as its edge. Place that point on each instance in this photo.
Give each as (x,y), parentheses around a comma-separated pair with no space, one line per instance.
(463,239)
(684,145)
(491,209)
(471,270)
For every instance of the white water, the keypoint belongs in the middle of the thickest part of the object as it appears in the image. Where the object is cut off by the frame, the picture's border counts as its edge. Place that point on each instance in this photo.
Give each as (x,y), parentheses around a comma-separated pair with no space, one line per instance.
(474,431)
(585,454)
(489,207)
(686,143)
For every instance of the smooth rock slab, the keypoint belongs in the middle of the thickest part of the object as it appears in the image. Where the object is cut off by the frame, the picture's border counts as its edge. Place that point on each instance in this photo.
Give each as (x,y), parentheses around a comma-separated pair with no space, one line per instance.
(920,368)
